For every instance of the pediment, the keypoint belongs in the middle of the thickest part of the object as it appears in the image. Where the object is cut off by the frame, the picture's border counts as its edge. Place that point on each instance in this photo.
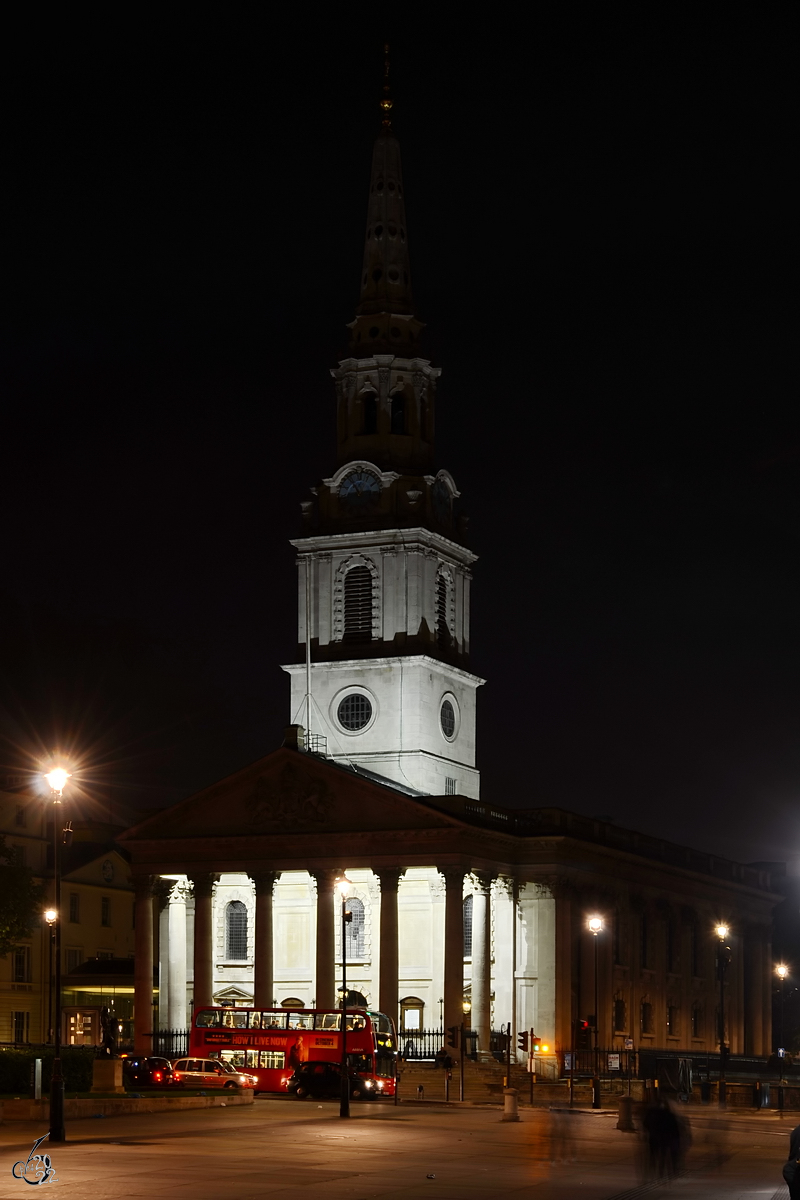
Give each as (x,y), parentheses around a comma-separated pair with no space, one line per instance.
(285,793)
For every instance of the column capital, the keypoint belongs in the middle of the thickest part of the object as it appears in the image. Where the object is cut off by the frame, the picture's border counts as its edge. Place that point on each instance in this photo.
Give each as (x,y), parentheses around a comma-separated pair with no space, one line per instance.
(388,877)
(325,878)
(481,882)
(203,882)
(453,877)
(264,881)
(144,885)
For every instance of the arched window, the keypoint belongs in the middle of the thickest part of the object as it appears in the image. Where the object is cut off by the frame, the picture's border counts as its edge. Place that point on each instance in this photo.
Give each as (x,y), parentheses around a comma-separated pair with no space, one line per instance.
(443,637)
(411,1010)
(357,604)
(468,927)
(369,406)
(236,931)
(354,929)
(399,412)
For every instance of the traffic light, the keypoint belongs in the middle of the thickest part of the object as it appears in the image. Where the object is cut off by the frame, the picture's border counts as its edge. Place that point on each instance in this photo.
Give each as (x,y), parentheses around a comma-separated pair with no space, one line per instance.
(452,1037)
(522,1040)
(536,1045)
(584,1035)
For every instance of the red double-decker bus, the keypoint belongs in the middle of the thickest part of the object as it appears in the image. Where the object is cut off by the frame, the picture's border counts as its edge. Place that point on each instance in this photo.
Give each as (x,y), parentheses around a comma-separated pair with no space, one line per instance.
(270,1043)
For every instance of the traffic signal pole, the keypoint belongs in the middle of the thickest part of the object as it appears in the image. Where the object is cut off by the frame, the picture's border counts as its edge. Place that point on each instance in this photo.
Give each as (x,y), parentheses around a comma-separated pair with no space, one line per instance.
(461,1065)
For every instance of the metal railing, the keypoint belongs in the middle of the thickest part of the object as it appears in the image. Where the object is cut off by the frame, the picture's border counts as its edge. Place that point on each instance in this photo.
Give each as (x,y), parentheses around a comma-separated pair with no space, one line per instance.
(422,1045)
(170,1043)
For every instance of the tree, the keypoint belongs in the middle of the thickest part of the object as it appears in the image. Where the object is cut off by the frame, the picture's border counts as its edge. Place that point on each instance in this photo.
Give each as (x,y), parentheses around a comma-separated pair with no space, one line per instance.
(20,898)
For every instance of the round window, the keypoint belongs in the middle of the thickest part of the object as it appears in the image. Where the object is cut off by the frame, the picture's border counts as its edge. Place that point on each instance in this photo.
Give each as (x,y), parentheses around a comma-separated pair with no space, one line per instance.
(447,716)
(354,712)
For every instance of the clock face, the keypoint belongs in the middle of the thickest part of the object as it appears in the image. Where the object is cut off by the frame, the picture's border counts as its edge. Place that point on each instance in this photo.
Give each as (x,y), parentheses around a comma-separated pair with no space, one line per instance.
(108,870)
(360,490)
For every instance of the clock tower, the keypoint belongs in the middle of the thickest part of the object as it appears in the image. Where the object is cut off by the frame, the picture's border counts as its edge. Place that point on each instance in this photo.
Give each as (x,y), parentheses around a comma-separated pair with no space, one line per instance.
(383,570)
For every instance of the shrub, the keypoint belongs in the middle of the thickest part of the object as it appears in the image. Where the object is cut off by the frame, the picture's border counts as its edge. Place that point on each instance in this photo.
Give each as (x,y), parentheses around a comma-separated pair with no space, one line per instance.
(16,1066)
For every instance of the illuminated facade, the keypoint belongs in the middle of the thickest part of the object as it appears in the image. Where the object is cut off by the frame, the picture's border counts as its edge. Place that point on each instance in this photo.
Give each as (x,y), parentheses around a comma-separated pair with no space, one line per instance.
(461,903)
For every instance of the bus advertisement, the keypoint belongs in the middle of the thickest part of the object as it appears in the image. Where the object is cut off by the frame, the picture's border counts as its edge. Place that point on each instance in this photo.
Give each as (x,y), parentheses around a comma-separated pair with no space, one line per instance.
(271,1043)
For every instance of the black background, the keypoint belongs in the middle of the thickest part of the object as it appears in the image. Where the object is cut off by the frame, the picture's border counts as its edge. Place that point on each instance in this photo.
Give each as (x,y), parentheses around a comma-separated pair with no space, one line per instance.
(600,245)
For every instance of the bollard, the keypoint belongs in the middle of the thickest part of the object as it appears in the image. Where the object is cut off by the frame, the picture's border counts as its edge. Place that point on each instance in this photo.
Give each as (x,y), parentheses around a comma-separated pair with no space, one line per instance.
(625,1122)
(595,1093)
(510,1105)
(758,1101)
(420,1092)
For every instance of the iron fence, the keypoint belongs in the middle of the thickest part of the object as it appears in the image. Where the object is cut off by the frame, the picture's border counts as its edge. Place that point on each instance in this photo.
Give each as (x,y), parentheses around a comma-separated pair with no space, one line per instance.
(422,1045)
(170,1043)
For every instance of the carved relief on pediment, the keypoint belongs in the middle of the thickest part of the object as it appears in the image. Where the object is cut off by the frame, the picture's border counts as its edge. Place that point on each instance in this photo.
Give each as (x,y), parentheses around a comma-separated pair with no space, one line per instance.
(293,800)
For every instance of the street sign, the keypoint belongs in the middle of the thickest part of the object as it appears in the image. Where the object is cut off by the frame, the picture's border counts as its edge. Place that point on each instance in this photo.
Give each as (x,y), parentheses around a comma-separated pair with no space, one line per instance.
(568,1061)
(628,1043)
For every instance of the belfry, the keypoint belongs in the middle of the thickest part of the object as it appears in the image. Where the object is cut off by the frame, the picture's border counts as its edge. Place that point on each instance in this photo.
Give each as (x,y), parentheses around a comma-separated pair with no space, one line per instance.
(464,909)
(384,575)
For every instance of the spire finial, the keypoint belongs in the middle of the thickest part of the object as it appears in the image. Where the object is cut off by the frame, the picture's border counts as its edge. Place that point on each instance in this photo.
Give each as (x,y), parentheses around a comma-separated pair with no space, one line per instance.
(386,99)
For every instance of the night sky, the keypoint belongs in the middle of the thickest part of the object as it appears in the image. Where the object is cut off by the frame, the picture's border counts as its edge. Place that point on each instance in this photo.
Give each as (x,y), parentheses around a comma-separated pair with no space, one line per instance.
(599,223)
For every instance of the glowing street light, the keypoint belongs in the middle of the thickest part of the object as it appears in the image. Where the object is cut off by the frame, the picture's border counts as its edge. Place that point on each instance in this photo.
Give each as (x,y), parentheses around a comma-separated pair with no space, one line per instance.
(723,961)
(57,779)
(343,887)
(782,972)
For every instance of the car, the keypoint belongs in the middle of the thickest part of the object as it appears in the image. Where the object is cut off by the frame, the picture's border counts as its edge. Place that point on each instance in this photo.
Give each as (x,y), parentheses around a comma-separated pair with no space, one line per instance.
(147,1072)
(243,1078)
(204,1073)
(319,1079)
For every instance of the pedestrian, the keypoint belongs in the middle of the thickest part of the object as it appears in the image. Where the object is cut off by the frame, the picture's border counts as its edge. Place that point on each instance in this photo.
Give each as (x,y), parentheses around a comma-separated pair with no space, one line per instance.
(791,1168)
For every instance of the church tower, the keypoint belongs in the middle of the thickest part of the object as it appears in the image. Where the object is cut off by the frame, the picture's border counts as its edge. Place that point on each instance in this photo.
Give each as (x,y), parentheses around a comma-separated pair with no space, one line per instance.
(383,571)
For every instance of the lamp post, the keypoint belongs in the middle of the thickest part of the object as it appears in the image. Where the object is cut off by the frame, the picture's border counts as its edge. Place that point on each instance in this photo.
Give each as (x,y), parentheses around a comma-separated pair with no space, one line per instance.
(595,925)
(50,916)
(781,971)
(343,884)
(57,779)
(723,959)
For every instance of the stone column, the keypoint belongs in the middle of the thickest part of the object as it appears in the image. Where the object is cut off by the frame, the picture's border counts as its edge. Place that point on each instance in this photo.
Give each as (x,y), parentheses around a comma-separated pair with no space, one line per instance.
(482,962)
(389,965)
(264,988)
(325,976)
(143,966)
(453,945)
(177,956)
(203,939)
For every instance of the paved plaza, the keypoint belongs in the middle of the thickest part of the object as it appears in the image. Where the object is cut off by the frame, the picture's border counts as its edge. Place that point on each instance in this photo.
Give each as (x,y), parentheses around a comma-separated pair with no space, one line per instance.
(292,1149)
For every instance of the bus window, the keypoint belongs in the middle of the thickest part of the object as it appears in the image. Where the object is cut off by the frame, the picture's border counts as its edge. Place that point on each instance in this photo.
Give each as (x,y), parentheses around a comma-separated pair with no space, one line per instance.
(255,1020)
(301,1020)
(236,1059)
(360,1063)
(275,1060)
(208,1018)
(235,1018)
(328,1020)
(272,1020)
(358,1022)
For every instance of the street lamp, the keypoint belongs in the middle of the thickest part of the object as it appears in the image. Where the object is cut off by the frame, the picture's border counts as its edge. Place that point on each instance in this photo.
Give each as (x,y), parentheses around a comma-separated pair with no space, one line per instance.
(343,884)
(723,959)
(782,972)
(57,779)
(595,925)
(50,916)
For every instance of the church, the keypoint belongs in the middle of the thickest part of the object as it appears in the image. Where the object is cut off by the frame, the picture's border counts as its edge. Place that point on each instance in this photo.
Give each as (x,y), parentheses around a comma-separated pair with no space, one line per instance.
(463,908)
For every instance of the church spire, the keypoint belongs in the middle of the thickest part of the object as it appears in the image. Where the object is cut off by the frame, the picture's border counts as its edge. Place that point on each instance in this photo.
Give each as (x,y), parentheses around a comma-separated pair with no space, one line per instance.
(385,320)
